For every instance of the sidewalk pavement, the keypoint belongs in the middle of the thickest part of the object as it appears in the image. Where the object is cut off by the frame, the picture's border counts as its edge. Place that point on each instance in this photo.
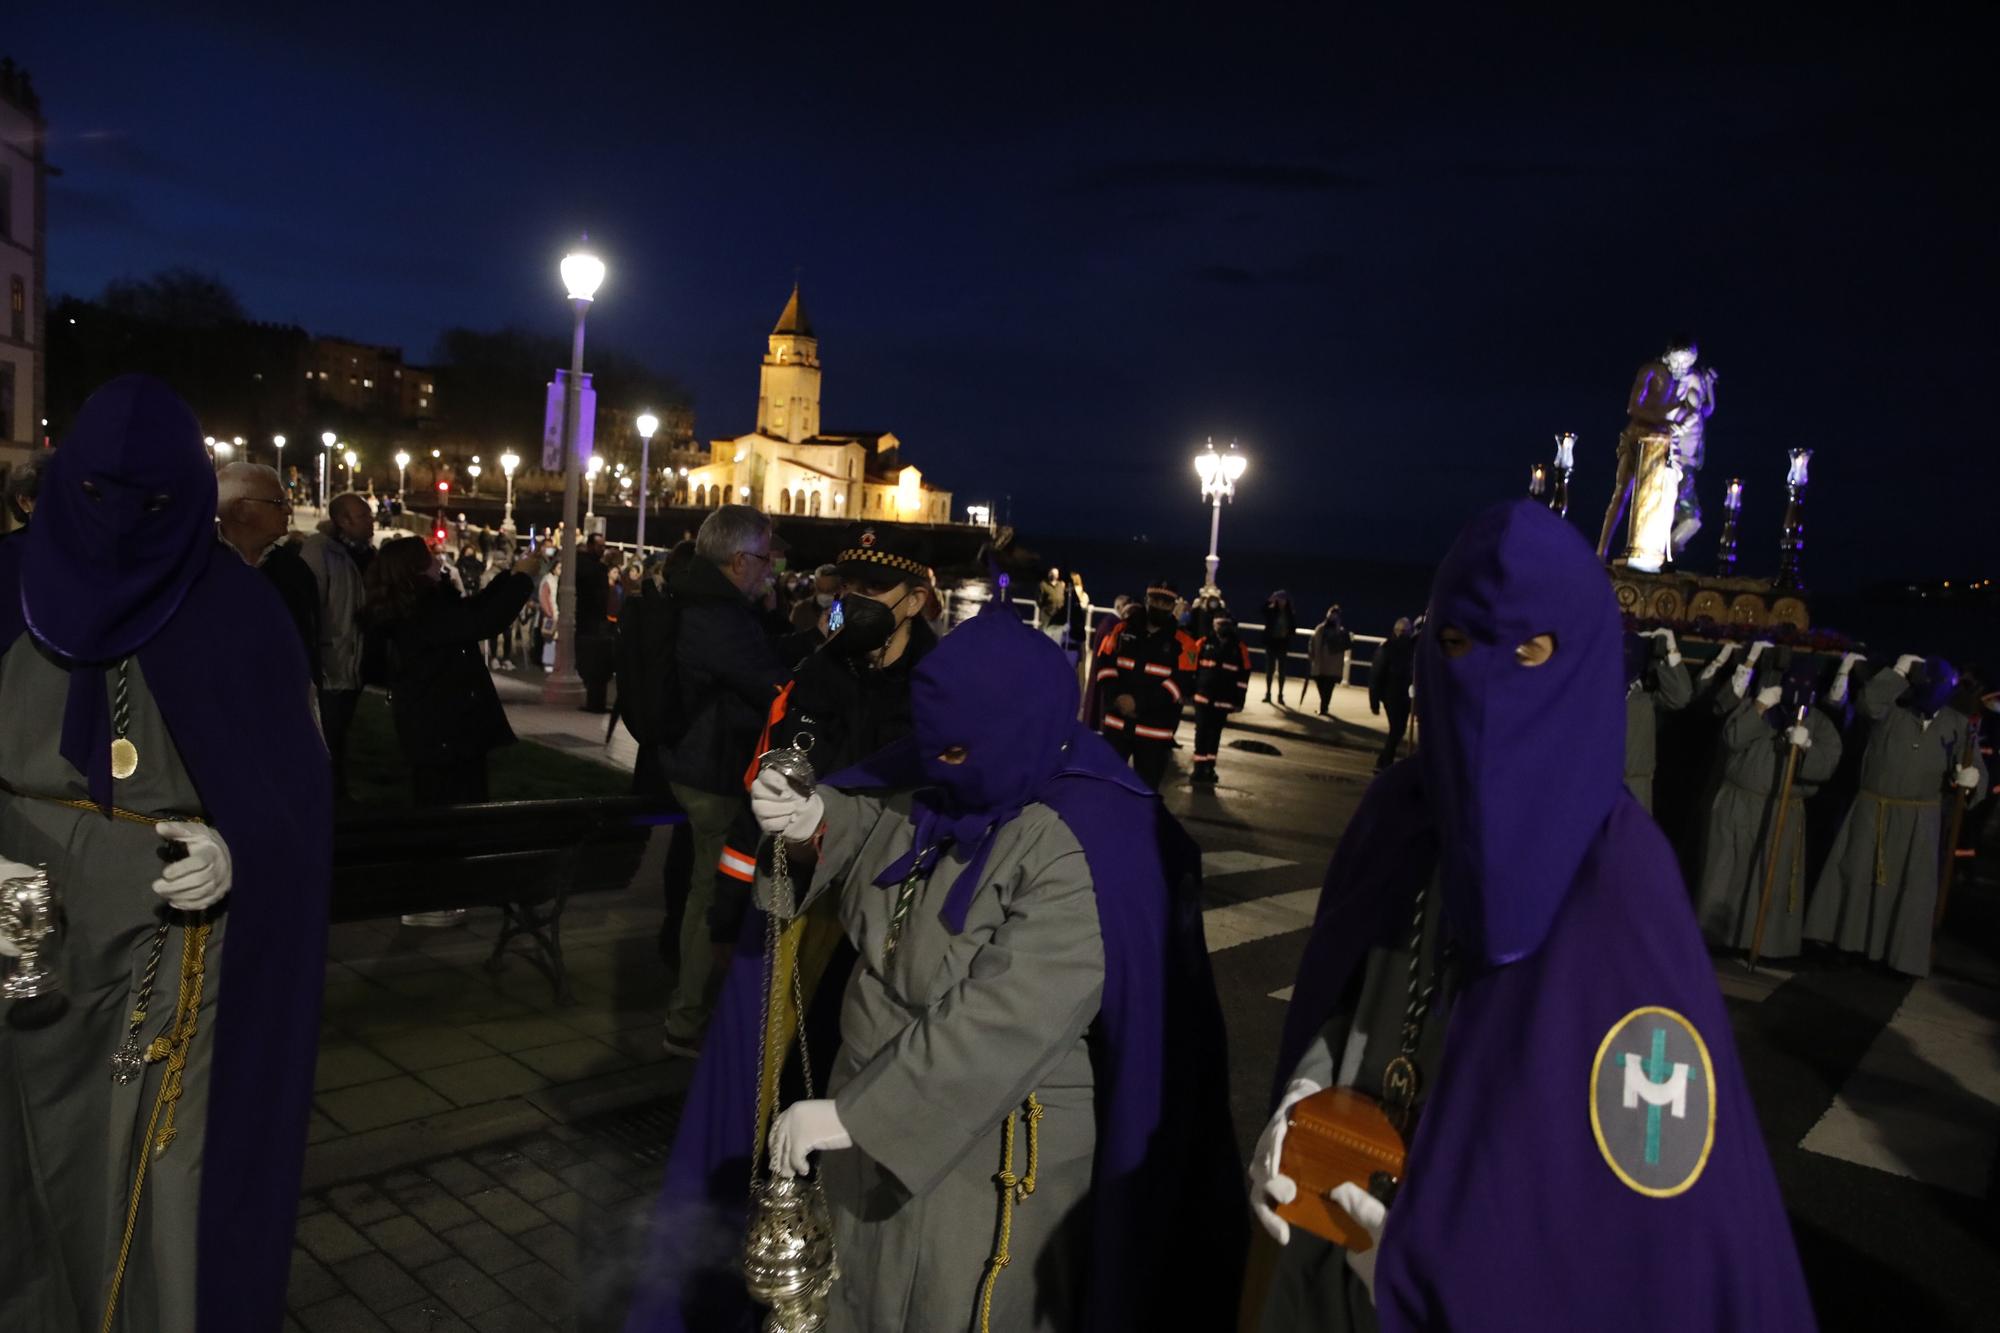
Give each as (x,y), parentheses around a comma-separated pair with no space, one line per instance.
(1348,726)
(569,729)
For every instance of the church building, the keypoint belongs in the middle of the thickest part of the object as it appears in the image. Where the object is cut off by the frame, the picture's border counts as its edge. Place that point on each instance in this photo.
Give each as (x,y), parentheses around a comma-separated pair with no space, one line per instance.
(788,465)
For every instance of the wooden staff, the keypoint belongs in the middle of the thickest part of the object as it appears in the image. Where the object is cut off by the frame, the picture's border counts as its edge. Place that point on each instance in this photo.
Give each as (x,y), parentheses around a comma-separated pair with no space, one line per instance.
(1954,827)
(1777,841)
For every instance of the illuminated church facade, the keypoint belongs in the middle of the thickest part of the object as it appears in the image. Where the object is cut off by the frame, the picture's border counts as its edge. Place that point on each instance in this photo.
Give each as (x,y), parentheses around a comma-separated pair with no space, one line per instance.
(788,465)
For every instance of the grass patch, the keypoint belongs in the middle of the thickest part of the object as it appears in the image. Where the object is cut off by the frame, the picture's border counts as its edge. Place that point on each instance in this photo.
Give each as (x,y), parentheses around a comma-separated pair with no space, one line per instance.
(523,771)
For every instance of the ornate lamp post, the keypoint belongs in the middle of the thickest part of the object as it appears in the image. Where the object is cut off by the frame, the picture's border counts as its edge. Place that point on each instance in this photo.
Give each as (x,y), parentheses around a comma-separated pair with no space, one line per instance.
(582,273)
(473,471)
(1732,504)
(1538,481)
(647,423)
(402,467)
(1564,465)
(508,462)
(1219,475)
(1793,544)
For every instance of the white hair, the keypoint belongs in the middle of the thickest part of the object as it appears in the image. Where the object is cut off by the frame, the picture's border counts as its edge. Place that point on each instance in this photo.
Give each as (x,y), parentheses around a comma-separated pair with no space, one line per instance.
(240,481)
(728,530)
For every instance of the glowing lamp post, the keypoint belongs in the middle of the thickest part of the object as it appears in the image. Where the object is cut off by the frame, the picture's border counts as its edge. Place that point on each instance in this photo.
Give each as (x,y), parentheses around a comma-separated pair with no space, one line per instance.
(327,440)
(1219,474)
(473,471)
(402,467)
(1793,544)
(590,483)
(278,445)
(582,274)
(351,459)
(1732,504)
(1564,465)
(647,424)
(508,462)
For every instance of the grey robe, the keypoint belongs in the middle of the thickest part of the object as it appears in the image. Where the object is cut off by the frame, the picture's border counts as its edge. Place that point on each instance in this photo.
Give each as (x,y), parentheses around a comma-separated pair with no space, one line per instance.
(1672,690)
(1878,891)
(938,1047)
(1737,839)
(69,1136)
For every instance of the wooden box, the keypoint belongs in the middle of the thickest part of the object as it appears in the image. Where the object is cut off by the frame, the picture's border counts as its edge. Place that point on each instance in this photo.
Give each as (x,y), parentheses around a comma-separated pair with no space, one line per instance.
(1336,1136)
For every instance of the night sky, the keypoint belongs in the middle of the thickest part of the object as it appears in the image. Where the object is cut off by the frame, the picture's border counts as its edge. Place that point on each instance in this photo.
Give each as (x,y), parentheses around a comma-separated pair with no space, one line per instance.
(1391,257)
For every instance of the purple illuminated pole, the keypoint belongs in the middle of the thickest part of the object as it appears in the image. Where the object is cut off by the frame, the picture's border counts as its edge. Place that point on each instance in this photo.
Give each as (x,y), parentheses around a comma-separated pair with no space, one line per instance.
(581,274)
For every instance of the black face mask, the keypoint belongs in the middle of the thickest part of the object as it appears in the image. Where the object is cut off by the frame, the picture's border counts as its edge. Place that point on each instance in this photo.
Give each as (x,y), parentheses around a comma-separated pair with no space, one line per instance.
(1157,618)
(868,625)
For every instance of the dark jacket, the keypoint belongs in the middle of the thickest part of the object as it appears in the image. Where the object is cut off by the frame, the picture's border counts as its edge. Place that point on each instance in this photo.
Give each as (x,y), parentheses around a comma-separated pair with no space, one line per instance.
(593,594)
(1154,666)
(1391,671)
(1221,673)
(294,580)
(729,673)
(440,693)
(1281,622)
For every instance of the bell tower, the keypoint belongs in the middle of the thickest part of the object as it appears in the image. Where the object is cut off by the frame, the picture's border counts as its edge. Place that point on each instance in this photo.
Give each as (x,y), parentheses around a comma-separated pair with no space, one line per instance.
(788,385)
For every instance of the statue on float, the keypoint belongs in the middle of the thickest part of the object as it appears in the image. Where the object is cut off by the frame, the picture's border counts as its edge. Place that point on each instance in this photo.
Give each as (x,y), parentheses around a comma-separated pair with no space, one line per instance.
(1660,453)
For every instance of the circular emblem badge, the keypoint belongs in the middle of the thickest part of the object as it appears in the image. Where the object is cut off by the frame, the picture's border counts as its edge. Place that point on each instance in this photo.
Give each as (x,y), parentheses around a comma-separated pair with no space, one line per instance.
(868,537)
(1652,1102)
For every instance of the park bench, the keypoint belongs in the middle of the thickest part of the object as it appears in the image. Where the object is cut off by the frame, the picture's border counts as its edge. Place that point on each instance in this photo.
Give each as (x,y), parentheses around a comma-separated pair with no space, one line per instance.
(525,857)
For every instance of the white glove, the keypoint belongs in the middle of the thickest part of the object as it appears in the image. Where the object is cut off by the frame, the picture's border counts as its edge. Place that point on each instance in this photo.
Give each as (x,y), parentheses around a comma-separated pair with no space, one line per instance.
(201,879)
(1800,737)
(1269,1186)
(1372,1215)
(1739,680)
(1757,649)
(1906,662)
(782,811)
(1715,663)
(1836,693)
(806,1128)
(1768,697)
(1968,778)
(1847,661)
(13,870)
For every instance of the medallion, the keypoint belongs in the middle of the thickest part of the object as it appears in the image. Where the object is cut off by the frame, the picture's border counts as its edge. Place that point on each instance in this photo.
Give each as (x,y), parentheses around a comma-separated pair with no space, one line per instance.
(124,758)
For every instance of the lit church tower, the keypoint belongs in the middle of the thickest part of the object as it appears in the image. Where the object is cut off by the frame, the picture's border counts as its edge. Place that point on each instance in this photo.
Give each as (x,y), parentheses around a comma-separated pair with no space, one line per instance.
(788,401)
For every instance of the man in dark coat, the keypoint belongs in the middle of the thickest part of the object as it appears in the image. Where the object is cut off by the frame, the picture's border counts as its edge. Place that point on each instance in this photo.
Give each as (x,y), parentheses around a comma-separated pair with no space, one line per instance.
(1281,622)
(729,674)
(154,698)
(1390,675)
(594,647)
(253,515)
(1504,953)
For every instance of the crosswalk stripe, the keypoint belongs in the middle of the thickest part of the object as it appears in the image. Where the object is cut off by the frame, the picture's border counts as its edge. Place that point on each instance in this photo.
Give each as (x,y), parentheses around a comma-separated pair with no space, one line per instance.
(1925,1100)
(1259,919)
(1216,864)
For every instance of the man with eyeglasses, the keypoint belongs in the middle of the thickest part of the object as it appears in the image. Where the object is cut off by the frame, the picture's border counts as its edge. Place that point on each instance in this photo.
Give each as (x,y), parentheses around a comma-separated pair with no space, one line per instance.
(253,516)
(730,672)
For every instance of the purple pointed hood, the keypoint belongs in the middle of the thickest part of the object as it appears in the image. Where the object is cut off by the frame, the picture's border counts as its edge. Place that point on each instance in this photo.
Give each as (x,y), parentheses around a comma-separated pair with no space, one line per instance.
(1009,697)
(122,523)
(1522,763)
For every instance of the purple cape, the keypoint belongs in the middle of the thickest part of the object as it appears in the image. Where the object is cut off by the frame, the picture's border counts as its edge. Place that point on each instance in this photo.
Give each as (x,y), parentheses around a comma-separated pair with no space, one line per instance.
(227,652)
(1165,1192)
(1539,1187)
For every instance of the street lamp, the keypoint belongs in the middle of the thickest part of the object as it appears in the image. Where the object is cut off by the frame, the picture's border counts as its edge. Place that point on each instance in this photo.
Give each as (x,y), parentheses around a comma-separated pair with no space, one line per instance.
(278,443)
(474,470)
(1219,475)
(582,273)
(351,459)
(326,443)
(508,462)
(647,423)
(590,482)
(402,464)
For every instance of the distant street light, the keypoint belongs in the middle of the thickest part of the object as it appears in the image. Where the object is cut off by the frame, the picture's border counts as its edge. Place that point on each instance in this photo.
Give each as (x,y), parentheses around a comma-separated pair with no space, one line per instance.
(278,443)
(508,462)
(326,442)
(1219,474)
(590,504)
(402,466)
(351,459)
(473,471)
(647,423)
(582,274)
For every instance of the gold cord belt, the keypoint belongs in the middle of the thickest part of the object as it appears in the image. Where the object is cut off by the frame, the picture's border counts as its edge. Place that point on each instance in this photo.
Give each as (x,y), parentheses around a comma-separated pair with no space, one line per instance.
(1883,804)
(1012,1191)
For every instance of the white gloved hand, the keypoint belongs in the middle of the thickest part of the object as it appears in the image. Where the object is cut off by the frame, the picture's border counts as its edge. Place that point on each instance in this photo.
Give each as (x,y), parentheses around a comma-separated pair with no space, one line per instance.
(201,879)
(1269,1186)
(1836,693)
(1372,1215)
(804,1129)
(1800,737)
(1739,680)
(1847,661)
(782,811)
(1716,663)
(1768,697)
(13,870)
(1906,662)
(1968,778)
(1757,649)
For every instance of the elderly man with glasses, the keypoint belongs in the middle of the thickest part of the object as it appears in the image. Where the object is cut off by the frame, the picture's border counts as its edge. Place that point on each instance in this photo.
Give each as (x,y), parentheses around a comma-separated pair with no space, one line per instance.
(253,517)
(729,673)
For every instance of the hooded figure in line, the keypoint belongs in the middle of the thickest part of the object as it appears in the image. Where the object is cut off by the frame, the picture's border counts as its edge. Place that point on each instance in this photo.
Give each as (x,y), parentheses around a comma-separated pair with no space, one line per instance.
(1584,1153)
(1877,894)
(134,647)
(1031,979)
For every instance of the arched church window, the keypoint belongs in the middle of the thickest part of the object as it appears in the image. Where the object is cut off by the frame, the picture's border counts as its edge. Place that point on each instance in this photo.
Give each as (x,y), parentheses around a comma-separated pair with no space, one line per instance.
(815,504)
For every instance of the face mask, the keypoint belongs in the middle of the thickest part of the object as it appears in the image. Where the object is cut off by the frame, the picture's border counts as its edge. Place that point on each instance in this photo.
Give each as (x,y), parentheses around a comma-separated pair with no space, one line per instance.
(869,626)
(825,599)
(1158,618)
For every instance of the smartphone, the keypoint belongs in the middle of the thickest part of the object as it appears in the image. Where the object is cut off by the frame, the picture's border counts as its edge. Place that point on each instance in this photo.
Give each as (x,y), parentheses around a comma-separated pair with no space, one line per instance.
(836,616)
